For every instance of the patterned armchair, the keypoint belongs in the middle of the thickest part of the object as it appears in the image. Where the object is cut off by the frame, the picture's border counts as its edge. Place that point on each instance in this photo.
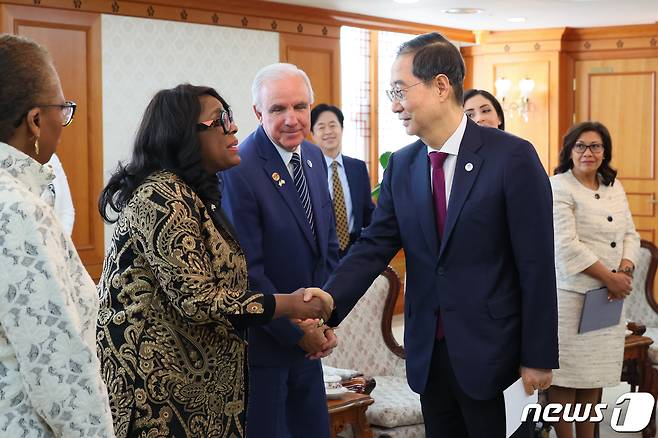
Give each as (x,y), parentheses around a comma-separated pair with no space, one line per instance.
(366,343)
(641,309)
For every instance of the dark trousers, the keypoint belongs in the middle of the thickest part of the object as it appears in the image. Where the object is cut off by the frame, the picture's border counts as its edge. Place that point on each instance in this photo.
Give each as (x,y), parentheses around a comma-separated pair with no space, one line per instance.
(450,413)
(287,402)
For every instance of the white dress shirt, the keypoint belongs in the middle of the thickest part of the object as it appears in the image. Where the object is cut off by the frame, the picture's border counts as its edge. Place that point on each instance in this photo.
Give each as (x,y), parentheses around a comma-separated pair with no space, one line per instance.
(343,182)
(450,147)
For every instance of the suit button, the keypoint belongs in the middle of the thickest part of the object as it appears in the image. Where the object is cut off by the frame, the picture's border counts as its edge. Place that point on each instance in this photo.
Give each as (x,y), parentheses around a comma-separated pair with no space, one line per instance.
(441,271)
(613,244)
(597,196)
(609,218)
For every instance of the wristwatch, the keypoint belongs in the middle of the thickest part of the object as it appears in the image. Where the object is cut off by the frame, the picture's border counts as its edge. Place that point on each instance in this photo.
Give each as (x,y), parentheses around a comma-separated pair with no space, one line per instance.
(628,270)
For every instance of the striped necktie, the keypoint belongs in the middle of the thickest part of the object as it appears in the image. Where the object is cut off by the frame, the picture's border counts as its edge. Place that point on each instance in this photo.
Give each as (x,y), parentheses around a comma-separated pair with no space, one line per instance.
(302,189)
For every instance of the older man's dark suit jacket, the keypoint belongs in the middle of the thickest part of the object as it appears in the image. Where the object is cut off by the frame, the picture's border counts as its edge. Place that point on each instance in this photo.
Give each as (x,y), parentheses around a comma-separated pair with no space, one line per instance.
(492,276)
(260,198)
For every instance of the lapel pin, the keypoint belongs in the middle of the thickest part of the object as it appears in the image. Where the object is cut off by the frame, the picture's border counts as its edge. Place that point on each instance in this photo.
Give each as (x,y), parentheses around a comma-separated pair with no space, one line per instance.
(276,176)
(309,163)
(468,167)
(213,207)
(282,182)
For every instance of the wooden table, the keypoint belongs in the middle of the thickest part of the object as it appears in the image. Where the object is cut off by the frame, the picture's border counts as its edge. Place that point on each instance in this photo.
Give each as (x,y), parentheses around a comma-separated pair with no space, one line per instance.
(350,409)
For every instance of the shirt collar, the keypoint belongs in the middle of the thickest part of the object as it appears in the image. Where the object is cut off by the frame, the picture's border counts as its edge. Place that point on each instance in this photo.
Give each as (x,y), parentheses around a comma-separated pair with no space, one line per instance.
(285,154)
(451,146)
(329,160)
(35,176)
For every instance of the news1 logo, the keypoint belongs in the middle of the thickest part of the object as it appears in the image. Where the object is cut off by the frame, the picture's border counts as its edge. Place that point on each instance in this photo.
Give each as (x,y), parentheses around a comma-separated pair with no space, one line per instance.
(638,412)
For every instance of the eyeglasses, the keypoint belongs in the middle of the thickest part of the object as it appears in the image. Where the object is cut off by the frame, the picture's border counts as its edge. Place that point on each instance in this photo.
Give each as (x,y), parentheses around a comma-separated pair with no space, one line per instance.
(595,148)
(398,94)
(225,120)
(67,110)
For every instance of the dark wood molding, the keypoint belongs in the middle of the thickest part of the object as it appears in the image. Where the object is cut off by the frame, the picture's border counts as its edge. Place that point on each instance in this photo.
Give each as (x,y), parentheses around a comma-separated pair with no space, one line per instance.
(250,14)
(389,307)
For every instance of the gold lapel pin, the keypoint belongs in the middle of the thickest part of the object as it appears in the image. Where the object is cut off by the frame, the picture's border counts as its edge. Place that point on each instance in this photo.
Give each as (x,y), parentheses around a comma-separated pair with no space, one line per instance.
(276,176)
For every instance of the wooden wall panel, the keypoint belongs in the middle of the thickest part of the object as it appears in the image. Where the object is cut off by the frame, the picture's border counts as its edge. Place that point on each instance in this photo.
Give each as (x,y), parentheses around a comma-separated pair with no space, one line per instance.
(536,128)
(541,129)
(73,40)
(625,103)
(320,59)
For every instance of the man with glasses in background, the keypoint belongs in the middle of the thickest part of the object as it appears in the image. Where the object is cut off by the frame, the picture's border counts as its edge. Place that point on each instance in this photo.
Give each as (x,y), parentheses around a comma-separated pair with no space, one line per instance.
(472,209)
(279,203)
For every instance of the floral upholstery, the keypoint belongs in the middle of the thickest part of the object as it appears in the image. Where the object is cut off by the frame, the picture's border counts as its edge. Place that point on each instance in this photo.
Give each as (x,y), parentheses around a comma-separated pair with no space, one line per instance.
(395,403)
(415,431)
(636,307)
(360,341)
(396,411)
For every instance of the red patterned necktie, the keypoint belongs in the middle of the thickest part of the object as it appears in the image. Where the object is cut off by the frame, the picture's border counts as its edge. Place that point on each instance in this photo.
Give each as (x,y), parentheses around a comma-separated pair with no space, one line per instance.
(440,208)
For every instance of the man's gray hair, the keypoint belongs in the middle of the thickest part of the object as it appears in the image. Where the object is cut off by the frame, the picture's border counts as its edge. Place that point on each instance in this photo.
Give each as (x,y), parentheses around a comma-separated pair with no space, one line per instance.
(275,72)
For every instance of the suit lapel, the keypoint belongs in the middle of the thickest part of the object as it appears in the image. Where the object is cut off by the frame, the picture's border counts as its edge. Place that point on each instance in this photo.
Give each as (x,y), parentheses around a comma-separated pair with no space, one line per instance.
(466,171)
(422,197)
(276,172)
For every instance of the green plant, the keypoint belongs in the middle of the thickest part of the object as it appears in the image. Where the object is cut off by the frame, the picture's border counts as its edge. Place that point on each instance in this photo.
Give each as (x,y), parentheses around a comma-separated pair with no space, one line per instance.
(383,160)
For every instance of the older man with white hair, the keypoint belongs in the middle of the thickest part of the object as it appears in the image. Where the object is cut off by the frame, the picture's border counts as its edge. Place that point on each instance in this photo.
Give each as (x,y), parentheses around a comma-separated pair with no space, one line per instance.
(278,200)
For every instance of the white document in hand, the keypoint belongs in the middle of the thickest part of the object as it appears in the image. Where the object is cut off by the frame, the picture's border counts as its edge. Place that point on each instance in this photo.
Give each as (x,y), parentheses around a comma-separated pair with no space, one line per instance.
(515,400)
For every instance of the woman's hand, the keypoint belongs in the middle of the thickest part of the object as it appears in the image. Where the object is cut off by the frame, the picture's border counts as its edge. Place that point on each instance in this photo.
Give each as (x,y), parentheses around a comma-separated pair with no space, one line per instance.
(312,303)
(619,285)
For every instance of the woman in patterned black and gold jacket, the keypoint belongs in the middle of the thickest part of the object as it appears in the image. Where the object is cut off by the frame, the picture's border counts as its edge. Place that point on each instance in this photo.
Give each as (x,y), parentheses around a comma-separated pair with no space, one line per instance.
(174,292)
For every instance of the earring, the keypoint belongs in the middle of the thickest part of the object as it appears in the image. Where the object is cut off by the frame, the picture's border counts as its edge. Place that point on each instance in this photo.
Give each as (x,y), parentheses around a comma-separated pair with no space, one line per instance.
(36,146)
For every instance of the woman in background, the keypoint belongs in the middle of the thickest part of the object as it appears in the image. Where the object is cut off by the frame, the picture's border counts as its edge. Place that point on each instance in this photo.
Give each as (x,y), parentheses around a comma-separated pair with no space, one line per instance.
(484,109)
(50,382)
(175,297)
(596,245)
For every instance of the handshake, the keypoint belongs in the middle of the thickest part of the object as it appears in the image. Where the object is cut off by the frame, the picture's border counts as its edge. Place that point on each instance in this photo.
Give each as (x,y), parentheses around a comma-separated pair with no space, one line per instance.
(309,303)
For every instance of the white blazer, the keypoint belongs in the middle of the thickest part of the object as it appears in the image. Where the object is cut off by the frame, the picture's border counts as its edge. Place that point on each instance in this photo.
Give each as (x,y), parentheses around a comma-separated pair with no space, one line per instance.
(590,225)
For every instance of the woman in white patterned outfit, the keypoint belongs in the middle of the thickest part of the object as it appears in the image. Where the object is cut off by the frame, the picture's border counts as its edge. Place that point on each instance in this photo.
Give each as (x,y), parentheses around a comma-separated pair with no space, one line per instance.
(50,381)
(596,245)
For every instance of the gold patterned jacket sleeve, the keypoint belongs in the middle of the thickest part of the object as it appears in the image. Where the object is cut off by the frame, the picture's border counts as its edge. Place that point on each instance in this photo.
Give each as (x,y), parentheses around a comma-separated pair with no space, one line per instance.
(169,229)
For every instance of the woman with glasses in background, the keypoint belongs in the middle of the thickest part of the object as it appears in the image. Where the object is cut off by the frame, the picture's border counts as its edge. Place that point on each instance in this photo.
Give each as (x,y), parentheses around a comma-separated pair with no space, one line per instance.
(596,245)
(51,384)
(174,292)
(484,109)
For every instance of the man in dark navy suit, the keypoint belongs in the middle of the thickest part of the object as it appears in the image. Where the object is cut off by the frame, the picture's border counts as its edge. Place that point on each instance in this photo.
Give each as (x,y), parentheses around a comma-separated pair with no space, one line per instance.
(349,183)
(472,209)
(278,201)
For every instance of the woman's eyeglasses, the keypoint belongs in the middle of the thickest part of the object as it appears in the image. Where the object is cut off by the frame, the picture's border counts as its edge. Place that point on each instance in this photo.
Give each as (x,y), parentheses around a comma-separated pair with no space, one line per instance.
(225,120)
(595,148)
(68,109)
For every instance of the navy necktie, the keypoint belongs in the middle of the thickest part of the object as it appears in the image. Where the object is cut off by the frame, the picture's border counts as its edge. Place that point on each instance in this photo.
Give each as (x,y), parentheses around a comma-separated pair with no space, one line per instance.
(302,189)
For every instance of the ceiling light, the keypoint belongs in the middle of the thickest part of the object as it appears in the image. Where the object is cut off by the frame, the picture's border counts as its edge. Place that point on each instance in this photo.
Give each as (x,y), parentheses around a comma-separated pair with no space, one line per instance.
(462,11)
(516,20)
(406,2)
